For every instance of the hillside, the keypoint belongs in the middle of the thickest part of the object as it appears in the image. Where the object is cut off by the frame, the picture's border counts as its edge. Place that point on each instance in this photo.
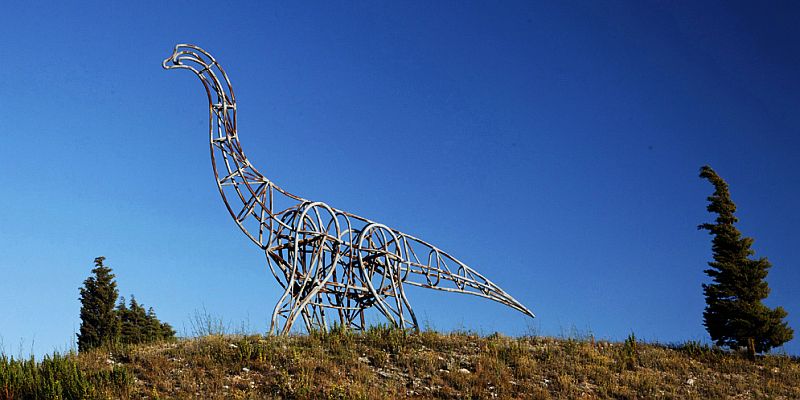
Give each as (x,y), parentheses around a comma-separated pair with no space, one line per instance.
(385,363)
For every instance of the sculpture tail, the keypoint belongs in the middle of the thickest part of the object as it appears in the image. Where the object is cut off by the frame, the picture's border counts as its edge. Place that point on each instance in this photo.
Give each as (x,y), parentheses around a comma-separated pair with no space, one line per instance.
(426,266)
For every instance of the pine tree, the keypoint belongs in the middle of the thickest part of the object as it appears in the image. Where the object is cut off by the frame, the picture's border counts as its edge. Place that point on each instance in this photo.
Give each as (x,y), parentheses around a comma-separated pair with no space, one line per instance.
(735,315)
(133,320)
(167,332)
(140,326)
(152,330)
(99,323)
(128,327)
(157,330)
(103,321)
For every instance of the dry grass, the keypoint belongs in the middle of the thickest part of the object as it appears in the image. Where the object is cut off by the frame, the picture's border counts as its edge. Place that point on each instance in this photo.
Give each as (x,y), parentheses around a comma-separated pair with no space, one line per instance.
(387,363)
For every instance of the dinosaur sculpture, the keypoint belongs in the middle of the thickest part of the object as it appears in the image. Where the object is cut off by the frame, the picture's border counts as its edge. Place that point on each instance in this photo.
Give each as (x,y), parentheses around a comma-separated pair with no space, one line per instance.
(326,260)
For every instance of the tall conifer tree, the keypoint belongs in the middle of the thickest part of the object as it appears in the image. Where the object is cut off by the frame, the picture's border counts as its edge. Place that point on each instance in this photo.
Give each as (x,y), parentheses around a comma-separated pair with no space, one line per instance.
(99,322)
(734,314)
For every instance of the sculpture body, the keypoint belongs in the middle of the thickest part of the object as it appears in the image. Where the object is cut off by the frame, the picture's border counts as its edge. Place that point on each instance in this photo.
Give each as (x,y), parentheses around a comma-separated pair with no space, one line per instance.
(330,263)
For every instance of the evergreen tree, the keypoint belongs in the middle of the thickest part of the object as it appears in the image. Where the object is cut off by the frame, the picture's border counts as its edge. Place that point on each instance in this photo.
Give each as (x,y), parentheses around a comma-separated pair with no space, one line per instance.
(127,326)
(735,315)
(157,330)
(167,331)
(140,326)
(133,320)
(103,321)
(99,323)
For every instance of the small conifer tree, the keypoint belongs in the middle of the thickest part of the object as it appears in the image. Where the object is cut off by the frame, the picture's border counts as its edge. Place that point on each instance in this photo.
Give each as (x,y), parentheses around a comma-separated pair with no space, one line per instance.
(140,326)
(99,323)
(157,330)
(735,315)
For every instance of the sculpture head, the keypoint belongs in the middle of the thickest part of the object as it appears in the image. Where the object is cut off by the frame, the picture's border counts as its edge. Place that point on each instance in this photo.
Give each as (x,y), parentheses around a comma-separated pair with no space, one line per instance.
(199,61)
(189,56)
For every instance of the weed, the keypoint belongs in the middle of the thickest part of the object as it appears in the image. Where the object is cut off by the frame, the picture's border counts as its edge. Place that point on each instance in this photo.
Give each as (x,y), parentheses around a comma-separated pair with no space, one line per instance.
(386,337)
(202,323)
(629,353)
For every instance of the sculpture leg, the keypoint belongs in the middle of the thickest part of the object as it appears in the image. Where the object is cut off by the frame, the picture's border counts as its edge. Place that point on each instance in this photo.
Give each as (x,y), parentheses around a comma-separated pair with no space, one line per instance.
(280,315)
(396,308)
(314,254)
(303,302)
(314,316)
(380,262)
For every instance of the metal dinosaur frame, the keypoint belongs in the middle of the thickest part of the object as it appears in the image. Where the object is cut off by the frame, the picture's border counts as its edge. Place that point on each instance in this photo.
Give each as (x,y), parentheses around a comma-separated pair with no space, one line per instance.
(325,259)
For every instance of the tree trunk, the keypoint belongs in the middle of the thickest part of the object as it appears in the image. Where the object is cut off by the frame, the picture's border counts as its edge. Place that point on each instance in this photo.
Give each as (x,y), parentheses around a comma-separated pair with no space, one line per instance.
(751,349)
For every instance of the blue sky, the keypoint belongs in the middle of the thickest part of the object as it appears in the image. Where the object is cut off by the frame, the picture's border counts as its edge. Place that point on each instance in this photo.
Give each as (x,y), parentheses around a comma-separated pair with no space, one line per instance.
(553,147)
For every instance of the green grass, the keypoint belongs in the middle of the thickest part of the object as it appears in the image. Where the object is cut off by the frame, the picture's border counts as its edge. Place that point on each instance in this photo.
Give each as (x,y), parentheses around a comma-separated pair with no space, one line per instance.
(388,363)
(60,377)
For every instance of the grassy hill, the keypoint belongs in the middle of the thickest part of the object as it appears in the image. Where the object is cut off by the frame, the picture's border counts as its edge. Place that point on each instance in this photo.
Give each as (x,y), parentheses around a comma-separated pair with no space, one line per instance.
(386,363)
